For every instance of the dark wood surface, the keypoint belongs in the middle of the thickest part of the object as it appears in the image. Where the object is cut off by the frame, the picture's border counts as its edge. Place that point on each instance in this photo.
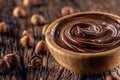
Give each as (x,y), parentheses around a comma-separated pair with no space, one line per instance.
(50,9)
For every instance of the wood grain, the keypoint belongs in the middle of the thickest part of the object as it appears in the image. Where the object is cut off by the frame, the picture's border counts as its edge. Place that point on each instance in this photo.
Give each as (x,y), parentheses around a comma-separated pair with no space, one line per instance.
(50,9)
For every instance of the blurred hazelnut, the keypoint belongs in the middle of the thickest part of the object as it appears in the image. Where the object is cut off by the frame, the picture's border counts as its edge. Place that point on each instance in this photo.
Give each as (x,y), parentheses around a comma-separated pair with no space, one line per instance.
(41,46)
(27,41)
(44,28)
(67,10)
(37,19)
(12,59)
(3,27)
(30,3)
(24,41)
(25,32)
(19,12)
(36,61)
(4,66)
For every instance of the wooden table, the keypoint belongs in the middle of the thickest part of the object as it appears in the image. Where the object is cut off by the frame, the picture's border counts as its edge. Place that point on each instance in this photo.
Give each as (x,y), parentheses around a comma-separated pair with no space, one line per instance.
(50,9)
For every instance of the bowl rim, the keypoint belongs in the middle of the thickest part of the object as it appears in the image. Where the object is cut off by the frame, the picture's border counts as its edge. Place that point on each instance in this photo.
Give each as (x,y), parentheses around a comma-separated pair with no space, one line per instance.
(55,46)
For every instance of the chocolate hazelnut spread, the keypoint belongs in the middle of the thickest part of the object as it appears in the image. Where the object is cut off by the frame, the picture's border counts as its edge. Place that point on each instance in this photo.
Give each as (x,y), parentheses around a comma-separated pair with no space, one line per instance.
(93,32)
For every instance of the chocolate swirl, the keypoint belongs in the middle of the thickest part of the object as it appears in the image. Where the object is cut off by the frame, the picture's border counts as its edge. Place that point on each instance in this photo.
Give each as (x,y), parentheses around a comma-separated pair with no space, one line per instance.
(87,33)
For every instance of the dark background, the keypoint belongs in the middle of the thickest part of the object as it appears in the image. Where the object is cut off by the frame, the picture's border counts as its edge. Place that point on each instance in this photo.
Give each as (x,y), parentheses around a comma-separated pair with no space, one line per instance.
(50,9)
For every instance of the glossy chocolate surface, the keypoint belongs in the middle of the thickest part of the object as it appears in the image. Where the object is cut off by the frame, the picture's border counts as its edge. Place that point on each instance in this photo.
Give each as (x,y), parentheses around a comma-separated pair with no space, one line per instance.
(87,33)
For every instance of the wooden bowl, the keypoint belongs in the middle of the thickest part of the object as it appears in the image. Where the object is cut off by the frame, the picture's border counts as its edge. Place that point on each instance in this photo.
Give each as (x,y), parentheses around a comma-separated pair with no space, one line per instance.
(83,62)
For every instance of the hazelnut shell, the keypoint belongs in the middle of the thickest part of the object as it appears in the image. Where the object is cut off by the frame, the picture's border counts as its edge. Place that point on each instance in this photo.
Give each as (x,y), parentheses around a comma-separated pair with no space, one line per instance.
(27,41)
(35,61)
(41,46)
(12,59)
(67,10)
(19,12)
(4,66)
(3,27)
(37,19)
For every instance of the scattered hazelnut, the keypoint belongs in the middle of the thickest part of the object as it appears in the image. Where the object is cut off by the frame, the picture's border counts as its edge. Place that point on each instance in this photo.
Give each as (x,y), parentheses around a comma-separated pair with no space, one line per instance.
(4,66)
(12,59)
(41,46)
(25,32)
(24,41)
(3,27)
(44,28)
(35,61)
(37,19)
(30,3)
(27,41)
(19,12)
(67,10)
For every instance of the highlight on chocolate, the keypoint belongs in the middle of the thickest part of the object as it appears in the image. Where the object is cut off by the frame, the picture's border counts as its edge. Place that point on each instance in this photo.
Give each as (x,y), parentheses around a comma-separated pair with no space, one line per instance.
(87,33)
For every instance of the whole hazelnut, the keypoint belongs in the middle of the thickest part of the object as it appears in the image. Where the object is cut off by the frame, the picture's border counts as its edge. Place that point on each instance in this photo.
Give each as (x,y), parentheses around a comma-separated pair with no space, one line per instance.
(37,19)
(36,61)
(67,10)
(12,59)
(4,66)
(27,41)
(30,3)
(19,12)
(24,41)
(25,32)
(41,47)
(44,28)
(3,27)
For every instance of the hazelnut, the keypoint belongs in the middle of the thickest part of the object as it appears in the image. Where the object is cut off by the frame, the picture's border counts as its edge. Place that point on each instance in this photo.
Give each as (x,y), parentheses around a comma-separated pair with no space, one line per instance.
(30,3)
(37,19)
(41,46)
(25,32)
(24,41)
(67,10)
(3,27)
(35,61)
(4,66)
(44,28)
(19,12)
(12,59)
(27,41)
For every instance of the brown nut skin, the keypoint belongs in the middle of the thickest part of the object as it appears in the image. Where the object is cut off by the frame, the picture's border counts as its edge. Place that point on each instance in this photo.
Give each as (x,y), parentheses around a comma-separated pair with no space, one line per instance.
(3,27)
(41,47)
(36,61)
(4,66)
(12,59)
(27,41)
(67,10)
(44,29)
(25,32)
(19,12)
(37,19)
(30,3)
(24,41)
